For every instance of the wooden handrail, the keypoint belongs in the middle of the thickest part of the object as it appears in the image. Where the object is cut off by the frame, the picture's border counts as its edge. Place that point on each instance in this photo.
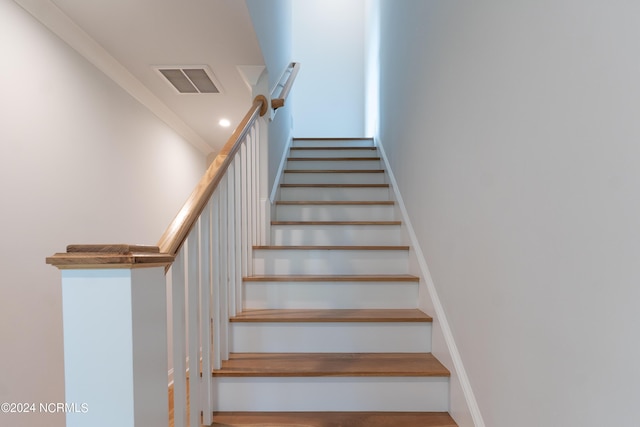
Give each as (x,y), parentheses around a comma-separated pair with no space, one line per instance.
(94,256)
(109,256)
(132,256)
(279,102)
(183,223)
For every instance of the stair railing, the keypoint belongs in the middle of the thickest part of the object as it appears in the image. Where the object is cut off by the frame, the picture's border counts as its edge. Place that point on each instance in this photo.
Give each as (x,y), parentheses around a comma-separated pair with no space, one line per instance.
(285,83)
(119,328)
(212,239)
(115,311)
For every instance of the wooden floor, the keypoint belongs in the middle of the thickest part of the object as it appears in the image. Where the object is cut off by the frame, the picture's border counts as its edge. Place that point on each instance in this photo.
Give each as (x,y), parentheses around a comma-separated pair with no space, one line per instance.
(333,419)
(331,171)
(334,159)
(333,148)
(334,185)
(336,222)
(333,202)
(331,365)
(333,315)
(171,412)
(334,247)
(334,278)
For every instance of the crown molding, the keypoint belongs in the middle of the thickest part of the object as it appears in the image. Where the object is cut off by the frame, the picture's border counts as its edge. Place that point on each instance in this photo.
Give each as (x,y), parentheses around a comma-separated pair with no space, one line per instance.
(64,27)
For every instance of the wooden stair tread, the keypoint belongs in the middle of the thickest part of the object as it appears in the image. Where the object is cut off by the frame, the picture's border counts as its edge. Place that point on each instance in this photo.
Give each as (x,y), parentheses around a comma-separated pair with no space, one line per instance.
(332,315)
(336,278)
(339,248)
(333,419)
(336,222)
(332,138)
(332,365)
(333,148)
(334,171)
(335,185)
(334,202)
(330,159)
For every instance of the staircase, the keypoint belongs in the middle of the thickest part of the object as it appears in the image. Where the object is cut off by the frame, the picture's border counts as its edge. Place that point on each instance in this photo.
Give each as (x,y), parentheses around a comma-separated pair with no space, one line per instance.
(330,334)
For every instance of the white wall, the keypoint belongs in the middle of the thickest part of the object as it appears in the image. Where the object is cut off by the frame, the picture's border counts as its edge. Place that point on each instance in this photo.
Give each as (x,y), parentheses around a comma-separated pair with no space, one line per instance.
(328,41)
(80,162)
(372,66)
(513,131)
(273,26)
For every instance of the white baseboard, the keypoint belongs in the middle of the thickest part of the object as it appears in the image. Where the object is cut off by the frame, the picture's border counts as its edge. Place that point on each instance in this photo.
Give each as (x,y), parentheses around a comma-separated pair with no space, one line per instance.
(472,410)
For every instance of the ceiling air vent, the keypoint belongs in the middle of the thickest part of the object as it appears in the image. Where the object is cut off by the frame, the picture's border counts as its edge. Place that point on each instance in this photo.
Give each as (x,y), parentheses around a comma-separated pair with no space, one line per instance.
(190,79)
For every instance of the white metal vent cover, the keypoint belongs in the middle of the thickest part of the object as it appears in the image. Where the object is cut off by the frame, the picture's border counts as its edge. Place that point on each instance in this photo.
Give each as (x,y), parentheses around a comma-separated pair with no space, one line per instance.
(191,79)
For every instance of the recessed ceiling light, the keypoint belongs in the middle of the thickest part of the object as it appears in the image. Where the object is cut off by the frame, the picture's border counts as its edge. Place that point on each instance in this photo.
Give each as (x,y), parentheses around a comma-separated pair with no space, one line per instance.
(224,123)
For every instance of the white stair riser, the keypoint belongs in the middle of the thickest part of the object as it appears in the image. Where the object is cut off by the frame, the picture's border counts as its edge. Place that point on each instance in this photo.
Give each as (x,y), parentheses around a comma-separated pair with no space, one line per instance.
(328,337)
(334,153)
(335,213)
(333,164)
(335,235)
(332,143)
(332,394)
(285,261)
(334,178)
(330,295)
(334,193)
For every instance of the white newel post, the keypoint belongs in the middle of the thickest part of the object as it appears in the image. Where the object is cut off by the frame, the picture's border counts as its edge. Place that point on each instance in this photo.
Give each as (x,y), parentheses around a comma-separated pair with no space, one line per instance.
(115,335)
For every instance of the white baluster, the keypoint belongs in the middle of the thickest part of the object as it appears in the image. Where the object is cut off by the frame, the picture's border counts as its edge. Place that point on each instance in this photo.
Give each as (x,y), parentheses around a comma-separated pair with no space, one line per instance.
(237,218)
(193,288)
(179,341)
(263,181)
(205,314)
(244,212)
(215,269)
(231,235)
(255,194)
(250,199)
(224,280)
